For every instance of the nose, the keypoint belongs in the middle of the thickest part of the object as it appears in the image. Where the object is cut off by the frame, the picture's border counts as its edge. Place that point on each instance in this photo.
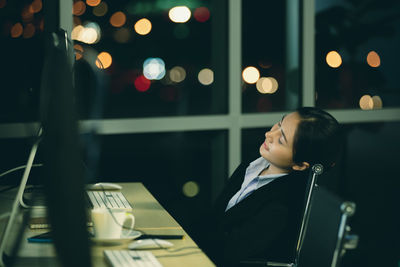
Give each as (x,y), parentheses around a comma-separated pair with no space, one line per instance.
(270,135)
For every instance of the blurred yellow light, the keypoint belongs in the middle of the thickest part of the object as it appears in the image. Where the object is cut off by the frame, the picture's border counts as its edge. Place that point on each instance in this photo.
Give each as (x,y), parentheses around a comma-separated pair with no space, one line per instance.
(93,2)
(206,76)
(143,26)
(250,75)
(333,59)
(373,59)
(190,189)
(105,60)
(177,74)
(89,36)
(16,30)
(100,10)
(118,19)
(366,102)
(377,102)
(122,35)
(179,14)
(267,85)
(77,32)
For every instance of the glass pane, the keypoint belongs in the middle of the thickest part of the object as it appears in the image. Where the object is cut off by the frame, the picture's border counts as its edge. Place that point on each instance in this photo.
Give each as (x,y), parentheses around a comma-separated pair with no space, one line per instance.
(180,169)
(270,55)
(21,39)
(370,179)
(159,58)
(357,54)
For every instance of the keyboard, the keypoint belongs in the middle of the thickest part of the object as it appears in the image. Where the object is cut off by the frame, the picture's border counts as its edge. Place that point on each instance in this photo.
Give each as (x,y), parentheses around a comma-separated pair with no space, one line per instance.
(122,258)
(109,199)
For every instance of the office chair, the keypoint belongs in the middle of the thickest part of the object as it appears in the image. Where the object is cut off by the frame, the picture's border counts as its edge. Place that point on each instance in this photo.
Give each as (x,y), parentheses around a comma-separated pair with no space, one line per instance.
(323,235)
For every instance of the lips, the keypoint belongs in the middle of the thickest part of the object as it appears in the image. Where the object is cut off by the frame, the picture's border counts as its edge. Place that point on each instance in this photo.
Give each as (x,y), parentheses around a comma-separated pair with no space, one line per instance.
(266,146)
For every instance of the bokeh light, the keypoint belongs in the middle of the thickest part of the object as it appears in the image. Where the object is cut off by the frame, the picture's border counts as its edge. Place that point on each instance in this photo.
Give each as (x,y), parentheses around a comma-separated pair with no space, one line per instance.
(177,74)
(26,14)
(78,8)
(78,49)
(154,68)
(89,33)
(118,19)
(143,26)
(267,85)
(93,2)
(100,10)
(142,84)
(206,76)
(373,59)
(105,60)
(122,35)
(333,59)
(201,14)
(29,31)
(190,189)
(179,14)
(366,102)
(250,75)
(377,102)
(36,6)
(16,30)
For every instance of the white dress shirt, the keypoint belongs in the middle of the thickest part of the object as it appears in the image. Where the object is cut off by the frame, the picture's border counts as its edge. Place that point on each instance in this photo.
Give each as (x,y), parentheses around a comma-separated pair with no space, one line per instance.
(253,181)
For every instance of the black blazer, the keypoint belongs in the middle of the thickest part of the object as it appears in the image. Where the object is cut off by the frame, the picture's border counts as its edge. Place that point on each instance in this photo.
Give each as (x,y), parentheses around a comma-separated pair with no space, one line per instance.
(263,225)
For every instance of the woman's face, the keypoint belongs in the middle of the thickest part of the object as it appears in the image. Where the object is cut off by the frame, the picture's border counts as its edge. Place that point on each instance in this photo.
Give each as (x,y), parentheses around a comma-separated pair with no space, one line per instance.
(278,145)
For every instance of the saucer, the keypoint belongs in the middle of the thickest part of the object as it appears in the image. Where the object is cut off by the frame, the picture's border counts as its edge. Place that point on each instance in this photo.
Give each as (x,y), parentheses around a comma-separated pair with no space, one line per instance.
(124,238)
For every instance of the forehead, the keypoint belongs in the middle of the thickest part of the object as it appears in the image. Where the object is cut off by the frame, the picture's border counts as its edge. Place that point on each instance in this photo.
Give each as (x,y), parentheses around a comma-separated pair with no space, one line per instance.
(289,125)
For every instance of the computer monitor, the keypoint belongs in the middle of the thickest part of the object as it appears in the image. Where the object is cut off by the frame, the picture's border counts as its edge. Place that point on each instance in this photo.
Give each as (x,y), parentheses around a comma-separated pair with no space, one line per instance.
(62,167)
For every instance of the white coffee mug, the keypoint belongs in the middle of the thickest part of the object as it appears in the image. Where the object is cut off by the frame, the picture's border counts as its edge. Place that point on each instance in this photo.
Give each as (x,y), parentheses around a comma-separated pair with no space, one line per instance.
(108,224)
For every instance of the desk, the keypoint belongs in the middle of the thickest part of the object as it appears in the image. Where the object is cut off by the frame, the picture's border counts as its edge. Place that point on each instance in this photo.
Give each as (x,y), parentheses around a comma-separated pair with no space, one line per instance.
(151,218)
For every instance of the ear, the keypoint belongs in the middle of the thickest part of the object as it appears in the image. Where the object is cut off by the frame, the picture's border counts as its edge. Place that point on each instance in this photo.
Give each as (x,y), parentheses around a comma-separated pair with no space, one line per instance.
(301,167)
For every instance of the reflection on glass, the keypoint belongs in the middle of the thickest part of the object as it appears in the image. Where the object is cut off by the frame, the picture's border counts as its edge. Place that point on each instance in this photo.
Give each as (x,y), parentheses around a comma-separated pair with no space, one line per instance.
(270,56)
(368,40)
(333,59)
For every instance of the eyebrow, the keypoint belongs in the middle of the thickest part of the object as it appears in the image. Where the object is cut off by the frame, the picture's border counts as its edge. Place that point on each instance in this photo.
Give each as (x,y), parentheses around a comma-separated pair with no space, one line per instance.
(280,124)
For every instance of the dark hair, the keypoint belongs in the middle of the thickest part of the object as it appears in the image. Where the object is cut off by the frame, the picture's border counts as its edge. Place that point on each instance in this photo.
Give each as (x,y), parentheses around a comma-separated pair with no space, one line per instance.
(317,139)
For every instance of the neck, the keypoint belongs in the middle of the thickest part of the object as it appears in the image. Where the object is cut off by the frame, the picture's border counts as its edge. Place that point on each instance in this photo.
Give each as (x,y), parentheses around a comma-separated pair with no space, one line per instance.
(271,169)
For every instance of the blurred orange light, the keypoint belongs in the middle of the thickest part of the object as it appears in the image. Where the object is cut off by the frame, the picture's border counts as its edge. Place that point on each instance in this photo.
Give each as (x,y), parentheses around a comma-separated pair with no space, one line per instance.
(373,59)
(118,19)
(143,26)
(78,8)
(27,14)
(333,59)
(78,51)
(29,30)
(201,14)
(105,60)
(93,2)
(36,6)
(16,30)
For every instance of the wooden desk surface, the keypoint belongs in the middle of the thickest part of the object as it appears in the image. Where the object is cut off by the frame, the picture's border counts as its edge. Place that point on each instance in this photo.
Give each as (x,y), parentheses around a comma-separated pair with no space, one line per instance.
(151,218)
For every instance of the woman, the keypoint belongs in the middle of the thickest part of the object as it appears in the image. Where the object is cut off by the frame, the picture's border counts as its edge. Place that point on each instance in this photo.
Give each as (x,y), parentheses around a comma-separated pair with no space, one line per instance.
(259,212)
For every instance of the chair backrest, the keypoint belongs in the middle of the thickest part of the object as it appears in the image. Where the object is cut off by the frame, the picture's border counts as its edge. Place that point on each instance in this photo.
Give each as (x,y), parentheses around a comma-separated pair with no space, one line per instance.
(323,240)
(316,171)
